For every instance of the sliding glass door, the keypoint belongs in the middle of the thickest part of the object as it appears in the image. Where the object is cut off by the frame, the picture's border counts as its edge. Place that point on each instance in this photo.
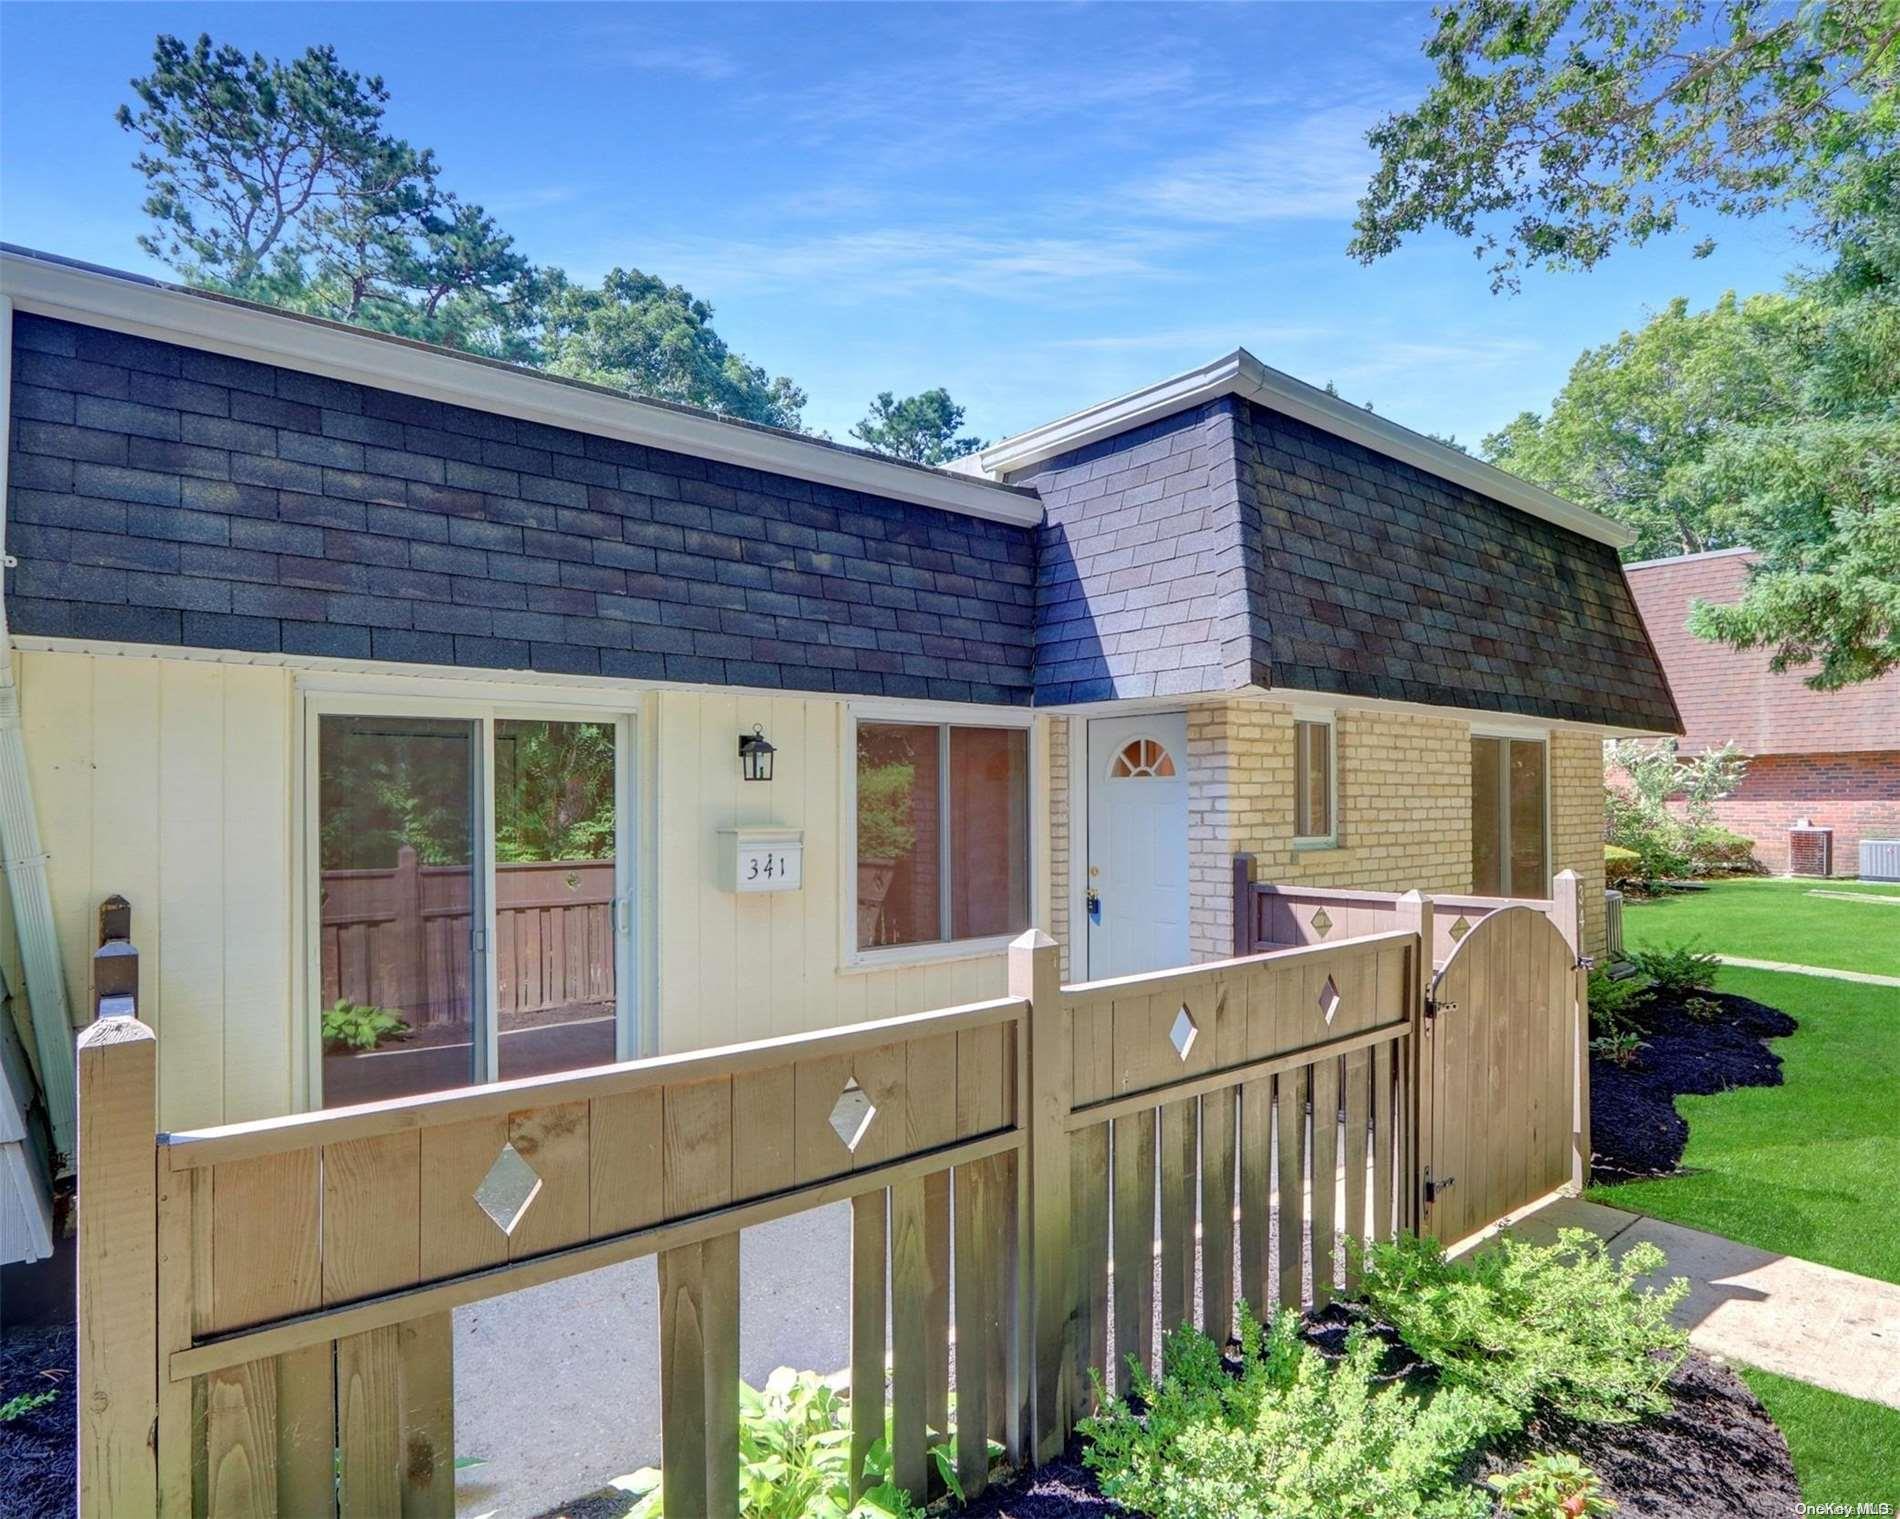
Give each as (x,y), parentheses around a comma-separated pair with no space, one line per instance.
(472,905)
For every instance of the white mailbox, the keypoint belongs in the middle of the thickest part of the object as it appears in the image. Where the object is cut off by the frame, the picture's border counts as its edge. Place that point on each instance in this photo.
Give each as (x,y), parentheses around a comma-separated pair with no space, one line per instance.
(761,859)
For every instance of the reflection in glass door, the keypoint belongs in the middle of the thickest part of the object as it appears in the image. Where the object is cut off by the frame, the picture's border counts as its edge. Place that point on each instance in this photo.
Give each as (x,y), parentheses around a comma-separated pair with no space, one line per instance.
(472,911)
(555,896)
(401,909)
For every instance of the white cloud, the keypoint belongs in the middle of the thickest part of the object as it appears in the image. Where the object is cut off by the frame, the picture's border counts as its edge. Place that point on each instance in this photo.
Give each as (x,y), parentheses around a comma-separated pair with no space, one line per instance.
(693,59)
(879,263)
(1315,167)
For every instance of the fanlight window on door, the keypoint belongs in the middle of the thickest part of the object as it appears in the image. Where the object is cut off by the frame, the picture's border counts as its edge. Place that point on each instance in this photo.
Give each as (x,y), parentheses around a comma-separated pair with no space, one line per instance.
(1142,759)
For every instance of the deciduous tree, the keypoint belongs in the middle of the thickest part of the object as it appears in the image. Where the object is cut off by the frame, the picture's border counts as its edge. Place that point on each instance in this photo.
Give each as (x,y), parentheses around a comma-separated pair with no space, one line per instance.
(921,428)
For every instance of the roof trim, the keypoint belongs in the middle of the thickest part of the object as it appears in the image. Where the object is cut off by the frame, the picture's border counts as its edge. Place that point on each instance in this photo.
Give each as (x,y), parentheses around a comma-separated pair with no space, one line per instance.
(1650,564)
(54,287)
(1240,373)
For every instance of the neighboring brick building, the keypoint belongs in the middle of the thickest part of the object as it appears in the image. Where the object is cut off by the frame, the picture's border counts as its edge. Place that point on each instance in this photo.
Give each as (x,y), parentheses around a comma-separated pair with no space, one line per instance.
(1829,757)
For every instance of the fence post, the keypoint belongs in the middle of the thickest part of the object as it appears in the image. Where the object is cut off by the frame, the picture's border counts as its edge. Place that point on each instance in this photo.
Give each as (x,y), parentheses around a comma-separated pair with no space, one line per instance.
(118,1269)
(1035,975)
(1567,907)
(1243,906)
(1416,912)
(406,901)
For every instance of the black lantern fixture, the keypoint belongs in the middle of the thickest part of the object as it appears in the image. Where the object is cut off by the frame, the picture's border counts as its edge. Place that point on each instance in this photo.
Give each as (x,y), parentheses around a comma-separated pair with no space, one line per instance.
(755,754)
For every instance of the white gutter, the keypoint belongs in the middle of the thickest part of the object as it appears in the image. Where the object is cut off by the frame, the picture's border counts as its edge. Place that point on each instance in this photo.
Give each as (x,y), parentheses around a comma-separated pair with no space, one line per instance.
(20,848)
(1240,373)
(146,308)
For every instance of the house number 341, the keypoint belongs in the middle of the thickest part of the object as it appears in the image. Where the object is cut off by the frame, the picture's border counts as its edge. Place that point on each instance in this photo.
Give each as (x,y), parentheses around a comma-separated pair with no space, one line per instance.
(776,867)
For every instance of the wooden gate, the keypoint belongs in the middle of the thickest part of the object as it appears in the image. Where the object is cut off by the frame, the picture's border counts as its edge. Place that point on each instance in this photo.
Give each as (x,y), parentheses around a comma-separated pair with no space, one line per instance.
(1502,1103)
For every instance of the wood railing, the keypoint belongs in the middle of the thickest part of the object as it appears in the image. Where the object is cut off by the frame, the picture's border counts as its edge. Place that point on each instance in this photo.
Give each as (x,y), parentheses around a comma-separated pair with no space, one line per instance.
(272,1299)
(1272,915)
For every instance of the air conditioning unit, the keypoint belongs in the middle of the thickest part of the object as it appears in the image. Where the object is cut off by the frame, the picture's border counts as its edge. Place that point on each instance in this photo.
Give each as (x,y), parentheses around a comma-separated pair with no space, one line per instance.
(1810,850)
(1880,859)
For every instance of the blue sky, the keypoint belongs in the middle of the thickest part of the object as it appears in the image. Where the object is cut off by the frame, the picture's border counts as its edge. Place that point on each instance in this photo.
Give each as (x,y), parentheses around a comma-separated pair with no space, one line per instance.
(1036,206)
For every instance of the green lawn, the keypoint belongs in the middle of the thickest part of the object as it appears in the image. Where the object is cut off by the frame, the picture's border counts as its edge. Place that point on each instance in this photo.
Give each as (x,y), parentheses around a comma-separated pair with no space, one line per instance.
(1806,1168)
(1845,1451)
(1776,920)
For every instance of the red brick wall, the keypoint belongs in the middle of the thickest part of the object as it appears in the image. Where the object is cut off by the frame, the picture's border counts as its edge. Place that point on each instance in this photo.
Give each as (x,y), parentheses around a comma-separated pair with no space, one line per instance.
(1857,795)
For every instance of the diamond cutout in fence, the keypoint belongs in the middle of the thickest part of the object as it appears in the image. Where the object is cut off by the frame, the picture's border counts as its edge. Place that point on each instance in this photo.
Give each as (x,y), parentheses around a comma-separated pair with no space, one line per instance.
(1329,999)
(851,1114)
(1460,929)
(1322,924)
(1183,1034)
(508,1189)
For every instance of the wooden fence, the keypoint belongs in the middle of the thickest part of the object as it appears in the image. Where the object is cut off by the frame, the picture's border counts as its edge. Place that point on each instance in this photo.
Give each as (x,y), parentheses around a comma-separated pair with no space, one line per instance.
(265,1307)
(400,938)
(1271,916)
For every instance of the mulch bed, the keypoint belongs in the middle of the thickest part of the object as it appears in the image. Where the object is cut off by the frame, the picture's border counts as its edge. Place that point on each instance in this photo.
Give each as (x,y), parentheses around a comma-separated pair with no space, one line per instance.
(1634,1126)
(37,1449)
(1714,1455)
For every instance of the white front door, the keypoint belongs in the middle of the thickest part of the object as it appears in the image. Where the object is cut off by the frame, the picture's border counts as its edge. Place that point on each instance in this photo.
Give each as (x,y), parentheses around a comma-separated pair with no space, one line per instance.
(1137,903)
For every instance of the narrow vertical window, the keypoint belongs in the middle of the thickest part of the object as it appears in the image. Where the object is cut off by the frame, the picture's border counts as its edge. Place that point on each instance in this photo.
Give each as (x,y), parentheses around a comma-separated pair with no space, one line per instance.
(943,833)
(1510,845)
(1313,782)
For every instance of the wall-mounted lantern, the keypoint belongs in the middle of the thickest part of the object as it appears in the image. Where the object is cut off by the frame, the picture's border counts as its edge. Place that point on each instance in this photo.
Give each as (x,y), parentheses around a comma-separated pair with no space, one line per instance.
(755,755)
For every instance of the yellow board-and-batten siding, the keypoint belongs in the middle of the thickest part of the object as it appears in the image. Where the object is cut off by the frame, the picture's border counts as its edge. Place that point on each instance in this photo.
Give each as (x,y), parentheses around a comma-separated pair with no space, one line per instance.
(176,782)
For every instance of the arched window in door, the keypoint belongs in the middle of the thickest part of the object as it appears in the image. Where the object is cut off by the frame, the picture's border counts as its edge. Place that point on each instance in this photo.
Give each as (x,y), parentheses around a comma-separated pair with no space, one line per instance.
(1142,759)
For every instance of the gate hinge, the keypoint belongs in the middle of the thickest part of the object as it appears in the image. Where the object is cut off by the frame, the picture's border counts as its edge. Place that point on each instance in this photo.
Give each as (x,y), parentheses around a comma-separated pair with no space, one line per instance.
(1433,1188)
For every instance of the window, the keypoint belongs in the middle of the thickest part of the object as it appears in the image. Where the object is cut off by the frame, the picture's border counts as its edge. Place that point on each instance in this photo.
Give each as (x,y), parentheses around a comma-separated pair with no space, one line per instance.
(468,882)
(943,833)
(1142,759)
(1313,781)
(1509,843)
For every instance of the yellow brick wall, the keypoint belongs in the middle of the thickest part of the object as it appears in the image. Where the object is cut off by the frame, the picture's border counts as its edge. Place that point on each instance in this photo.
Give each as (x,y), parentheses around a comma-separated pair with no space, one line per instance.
(1576,824)
(1404,809)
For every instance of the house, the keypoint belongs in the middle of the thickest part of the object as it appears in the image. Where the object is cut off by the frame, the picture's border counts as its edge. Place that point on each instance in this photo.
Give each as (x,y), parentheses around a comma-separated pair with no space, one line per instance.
(387,682)
(1829,759)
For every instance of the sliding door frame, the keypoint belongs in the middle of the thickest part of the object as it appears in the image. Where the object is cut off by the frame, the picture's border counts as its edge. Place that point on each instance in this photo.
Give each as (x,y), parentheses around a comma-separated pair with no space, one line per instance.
(484,706)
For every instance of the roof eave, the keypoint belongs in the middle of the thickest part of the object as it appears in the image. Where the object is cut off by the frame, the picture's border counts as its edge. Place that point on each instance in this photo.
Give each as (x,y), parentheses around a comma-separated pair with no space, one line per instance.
(1240,373)
(51,287)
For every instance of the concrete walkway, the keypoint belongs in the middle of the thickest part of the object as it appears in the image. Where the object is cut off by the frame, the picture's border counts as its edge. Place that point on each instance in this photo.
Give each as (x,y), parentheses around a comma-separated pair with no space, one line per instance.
(1866,977)
(1801,1320)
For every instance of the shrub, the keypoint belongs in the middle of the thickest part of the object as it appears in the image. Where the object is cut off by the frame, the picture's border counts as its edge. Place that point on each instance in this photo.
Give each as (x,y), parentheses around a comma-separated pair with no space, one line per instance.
(1564,1325)
(1615,1005)
(1656,838)
(1677,972)
(1712,848)
(1621,866)
(1291,1434)
(795,1458)
(1618,1049)
(358,1026)
(1551,1487)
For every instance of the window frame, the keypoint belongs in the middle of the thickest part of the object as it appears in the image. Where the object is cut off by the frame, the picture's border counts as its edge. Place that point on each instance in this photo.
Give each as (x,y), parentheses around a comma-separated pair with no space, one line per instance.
(484,704)
(943,717)
(1328,719)
(1508,734)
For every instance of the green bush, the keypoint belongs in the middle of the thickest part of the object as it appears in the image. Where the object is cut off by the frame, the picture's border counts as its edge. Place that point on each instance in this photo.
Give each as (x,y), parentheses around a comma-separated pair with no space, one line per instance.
(1616,1005)
(1621,866)
(1563,1325)
(1677,972)
(795,1458)
(1551,1487)
(358,1026)
(1291,1434)
(1713,848)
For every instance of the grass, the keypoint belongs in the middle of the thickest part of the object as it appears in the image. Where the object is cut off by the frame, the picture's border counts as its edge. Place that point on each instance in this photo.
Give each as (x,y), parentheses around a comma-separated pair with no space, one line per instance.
(1775,920)
(1844,1449)
(1806,1168)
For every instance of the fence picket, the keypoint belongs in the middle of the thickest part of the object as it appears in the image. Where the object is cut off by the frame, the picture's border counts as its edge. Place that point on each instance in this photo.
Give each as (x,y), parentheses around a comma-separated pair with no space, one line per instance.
(867,1328)
(910,1283)
(1256,1190)
(1290,1118)
(1134,1209)
(1178,1125)
(975,1277)
(1357,1102)
(1325,1175)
